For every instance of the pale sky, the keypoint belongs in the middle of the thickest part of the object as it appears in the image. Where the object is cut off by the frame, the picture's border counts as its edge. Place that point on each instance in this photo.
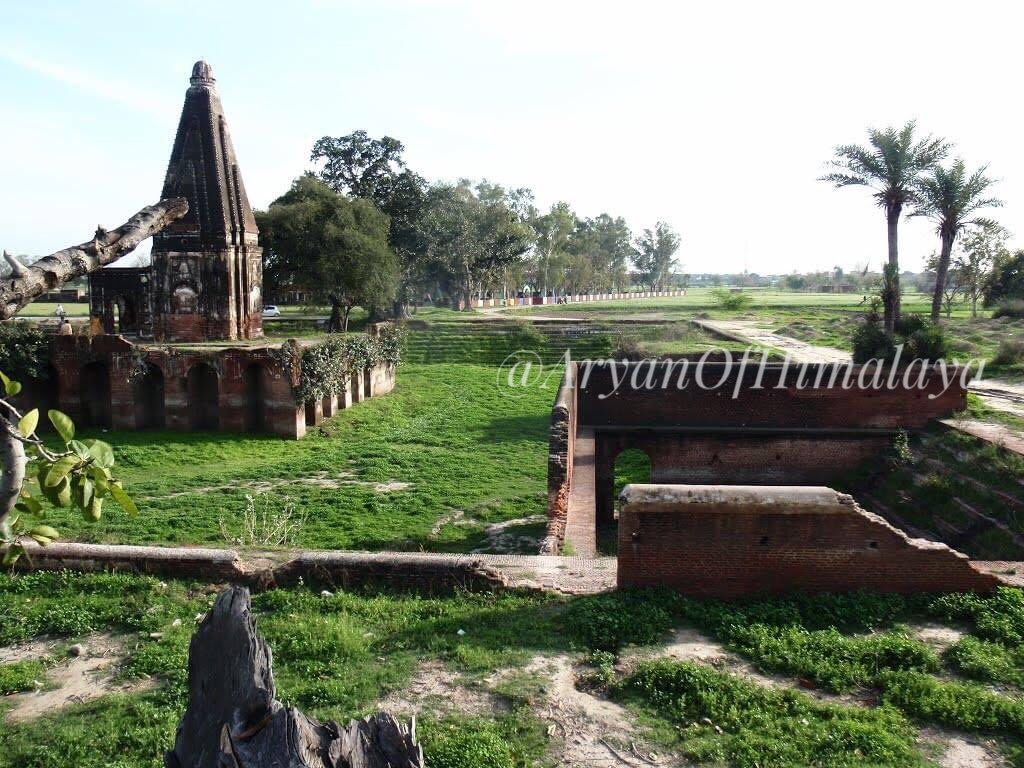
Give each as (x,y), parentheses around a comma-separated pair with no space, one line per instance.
(717,117)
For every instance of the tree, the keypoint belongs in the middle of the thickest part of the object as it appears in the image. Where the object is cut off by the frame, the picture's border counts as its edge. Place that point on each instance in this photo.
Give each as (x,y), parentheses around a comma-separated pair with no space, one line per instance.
(890,166)
(373,169)
(981,248)
(474,232)
(333,246)
(655,254)
(554,235)
(606,243)
(951,197)
(1007,280)
(954,283)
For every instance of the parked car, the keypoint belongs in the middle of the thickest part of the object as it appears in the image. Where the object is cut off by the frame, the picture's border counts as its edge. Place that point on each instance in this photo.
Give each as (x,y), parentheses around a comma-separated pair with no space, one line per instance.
(271,310)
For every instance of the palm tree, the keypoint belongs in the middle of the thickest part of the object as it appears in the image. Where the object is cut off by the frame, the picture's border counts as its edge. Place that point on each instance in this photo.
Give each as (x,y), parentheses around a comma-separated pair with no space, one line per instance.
(950,197)
(889,165)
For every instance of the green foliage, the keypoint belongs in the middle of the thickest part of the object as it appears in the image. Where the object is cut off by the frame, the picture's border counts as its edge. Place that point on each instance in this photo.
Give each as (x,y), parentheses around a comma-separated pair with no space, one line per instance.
(21,676)
(329,245)
(76,476)
(609,622)
(1007,281)
(655,254)
(23,351)
(732,301)
(999,617)
(958,705)
(468,745)
(327,367)
(986,660)
(1010,308)
(726,720)
(921,340)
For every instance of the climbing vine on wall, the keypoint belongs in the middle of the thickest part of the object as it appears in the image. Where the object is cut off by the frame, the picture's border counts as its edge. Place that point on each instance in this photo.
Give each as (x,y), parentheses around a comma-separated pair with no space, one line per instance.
(325,368)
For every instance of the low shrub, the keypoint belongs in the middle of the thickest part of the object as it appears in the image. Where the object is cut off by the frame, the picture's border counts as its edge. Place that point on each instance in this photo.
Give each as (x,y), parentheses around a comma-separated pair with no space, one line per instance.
(1013,308)
(627,347)
(985,660)
(1010,352)
(21,676)
(968,706)
(921,339)
(734,301)
(608,622)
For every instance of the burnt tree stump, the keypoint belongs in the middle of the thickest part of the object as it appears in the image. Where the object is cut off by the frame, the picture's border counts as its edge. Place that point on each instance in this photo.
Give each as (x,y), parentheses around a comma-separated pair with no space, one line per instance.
(234,720)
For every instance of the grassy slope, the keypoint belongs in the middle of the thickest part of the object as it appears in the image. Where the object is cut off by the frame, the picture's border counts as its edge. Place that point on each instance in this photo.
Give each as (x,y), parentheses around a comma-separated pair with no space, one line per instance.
(446,430)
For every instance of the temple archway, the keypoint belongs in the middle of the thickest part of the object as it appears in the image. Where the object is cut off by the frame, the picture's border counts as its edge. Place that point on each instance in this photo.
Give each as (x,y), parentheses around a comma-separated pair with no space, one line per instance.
(203,397)
(148,391)
(94,388)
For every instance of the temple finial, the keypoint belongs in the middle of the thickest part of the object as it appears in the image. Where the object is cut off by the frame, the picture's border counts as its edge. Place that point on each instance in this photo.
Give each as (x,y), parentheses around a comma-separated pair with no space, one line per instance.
(202,74)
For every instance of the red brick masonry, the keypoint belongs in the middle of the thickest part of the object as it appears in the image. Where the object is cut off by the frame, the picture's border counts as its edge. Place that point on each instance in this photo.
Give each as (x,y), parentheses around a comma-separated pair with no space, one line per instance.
(729,541)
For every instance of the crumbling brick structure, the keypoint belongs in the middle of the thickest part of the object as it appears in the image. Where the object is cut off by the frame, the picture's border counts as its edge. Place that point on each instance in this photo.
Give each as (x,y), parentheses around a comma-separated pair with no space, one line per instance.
(780,425)
(730,541)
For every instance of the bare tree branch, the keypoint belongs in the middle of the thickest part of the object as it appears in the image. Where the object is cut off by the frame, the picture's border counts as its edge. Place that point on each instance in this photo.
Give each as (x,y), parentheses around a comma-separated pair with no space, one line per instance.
(51,272)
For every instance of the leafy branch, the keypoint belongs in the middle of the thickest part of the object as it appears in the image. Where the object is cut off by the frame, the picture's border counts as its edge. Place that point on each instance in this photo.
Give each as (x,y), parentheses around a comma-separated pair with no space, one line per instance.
(78,475)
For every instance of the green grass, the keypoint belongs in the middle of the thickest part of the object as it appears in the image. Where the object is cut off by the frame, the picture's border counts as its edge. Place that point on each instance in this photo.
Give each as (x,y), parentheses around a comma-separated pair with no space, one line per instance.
(447,431)
(336,656)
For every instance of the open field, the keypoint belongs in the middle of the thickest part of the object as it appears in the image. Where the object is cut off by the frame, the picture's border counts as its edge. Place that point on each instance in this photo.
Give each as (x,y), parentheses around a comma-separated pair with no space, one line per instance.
(529,680)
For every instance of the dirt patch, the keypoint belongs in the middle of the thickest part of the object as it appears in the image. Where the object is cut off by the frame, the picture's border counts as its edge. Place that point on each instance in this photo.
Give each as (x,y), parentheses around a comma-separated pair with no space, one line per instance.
(594,732)
(952,749)
(436,688)
(938,636)
(73,680)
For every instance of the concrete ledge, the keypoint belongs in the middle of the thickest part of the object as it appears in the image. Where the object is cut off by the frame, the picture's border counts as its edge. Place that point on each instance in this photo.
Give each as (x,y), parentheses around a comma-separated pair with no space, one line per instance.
(730,541)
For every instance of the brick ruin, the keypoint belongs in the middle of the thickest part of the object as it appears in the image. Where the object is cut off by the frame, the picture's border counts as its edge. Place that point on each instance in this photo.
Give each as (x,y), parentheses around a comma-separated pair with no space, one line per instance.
(755,437)
(729,541)
(170,345)
(206,278)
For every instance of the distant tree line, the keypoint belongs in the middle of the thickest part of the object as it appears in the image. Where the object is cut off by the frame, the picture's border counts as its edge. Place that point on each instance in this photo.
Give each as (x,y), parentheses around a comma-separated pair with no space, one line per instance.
(365,230)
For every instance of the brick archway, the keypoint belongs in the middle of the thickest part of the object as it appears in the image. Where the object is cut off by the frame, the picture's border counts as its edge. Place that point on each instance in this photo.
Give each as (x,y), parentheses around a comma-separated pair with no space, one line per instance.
(148,394)
(203,397)
(94,382)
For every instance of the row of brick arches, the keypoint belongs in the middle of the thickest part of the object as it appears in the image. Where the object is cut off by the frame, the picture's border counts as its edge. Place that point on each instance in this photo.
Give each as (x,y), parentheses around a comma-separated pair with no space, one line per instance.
(202,390)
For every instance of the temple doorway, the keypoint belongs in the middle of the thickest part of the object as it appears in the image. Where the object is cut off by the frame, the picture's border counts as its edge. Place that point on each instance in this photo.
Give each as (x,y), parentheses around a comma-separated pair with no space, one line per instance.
(95,395)
(148,391)
(203,397)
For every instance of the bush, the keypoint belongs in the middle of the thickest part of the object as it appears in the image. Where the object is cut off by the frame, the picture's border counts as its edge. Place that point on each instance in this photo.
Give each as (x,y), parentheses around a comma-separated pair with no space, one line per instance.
(921,339)
(627,348)
(734,301)
(23,351)
(967,706)
(465,748)
(1010,352)
(21,676)
(1010,308)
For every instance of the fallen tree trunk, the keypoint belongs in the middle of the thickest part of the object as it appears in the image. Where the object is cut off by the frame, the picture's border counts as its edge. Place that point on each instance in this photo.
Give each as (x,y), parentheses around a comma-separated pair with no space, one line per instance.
(26,283)
(234,719)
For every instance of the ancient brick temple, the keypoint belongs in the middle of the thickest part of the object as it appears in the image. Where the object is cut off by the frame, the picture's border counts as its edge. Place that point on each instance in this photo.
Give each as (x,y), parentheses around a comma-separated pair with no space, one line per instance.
(205,282)
(204,285)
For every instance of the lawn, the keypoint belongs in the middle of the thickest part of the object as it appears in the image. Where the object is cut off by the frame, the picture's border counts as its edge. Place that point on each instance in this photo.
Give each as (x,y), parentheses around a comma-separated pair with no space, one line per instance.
(446,444)
(832,680)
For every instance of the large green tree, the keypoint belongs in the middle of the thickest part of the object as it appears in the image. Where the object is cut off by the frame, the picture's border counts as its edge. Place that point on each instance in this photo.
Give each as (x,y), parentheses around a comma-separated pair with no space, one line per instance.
(981,249)
(951,197)
(655,254)
(474,233)
(374,169)
(890,166)
(330,245)
(606,243)
(1007,279)
(554,232)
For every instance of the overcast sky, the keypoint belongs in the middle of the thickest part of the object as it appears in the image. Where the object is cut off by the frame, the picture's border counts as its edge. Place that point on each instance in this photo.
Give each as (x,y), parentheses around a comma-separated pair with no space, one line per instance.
(717,118)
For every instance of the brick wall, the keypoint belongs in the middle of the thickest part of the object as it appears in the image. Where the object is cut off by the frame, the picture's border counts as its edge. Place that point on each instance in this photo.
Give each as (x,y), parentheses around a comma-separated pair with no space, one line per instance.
(561,439)
(730,541)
